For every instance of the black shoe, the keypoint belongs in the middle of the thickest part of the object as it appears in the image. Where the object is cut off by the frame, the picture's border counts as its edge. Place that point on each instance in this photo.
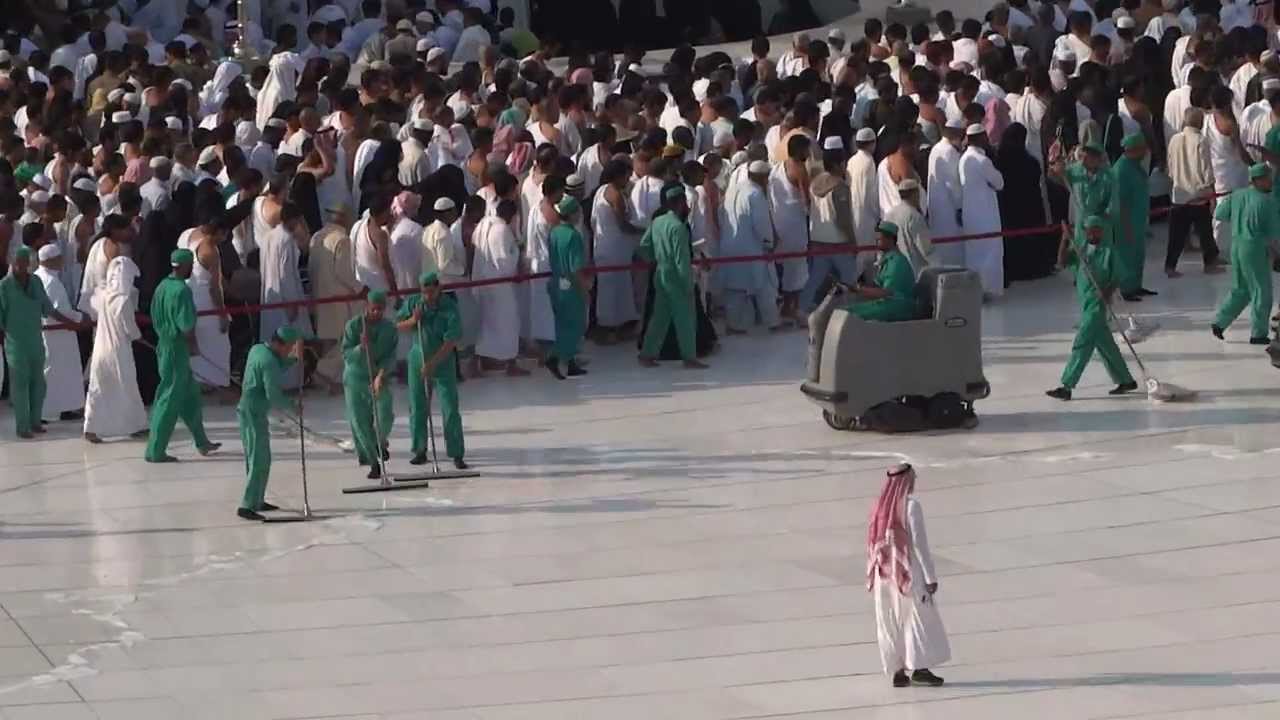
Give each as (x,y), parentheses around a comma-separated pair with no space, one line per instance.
(1259,341)
(575,370)
(71,415)
(247,514)
(900,679)
(267,507)
(375,473)
(163,459)
(209,449)
(553,367)
(419,459)
(1060,393)
(924,677)
(1123,388)
(1131,297)
(1149,293)
(460,464)
(1217,331)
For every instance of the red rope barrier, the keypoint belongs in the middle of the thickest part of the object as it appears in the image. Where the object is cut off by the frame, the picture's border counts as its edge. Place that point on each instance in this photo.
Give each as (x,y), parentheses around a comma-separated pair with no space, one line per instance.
(812,251)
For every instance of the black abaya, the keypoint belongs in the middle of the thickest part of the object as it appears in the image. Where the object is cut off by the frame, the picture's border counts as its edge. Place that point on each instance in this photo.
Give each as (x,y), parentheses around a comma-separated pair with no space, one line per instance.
(1026,257)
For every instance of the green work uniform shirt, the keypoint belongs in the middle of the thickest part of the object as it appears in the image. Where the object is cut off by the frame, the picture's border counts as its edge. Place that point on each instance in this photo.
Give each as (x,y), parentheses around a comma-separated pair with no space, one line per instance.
(440,323)
(382,349)
(21,314)
(260,388)
(567,256)
(173,310)
(666,243)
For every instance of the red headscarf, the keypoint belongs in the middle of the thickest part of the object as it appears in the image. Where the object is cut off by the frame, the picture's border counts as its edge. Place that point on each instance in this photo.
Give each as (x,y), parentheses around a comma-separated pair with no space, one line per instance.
(888,541)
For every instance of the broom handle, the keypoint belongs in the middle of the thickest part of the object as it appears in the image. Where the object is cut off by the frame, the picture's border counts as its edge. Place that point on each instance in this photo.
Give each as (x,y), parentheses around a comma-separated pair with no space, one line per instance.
(373,393)
(1088,271)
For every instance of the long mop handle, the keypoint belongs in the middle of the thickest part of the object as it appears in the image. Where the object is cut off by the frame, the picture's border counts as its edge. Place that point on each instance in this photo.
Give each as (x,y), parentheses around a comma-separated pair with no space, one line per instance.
(1088,271)
(302,454)
(430,387)
(373,407)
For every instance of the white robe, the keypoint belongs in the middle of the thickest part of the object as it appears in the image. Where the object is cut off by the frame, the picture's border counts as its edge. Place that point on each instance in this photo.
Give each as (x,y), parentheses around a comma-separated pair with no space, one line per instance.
(945,199)
(281,85)
(415,163)
(95,276)
(615,294)
(866,197)
(791,223)
(113,406)
(444,252)
(496,256)
(281,282)
(981,181)
(211,360)
(368,267)
(63,373)
(747,230)
(542,321)
(908,628)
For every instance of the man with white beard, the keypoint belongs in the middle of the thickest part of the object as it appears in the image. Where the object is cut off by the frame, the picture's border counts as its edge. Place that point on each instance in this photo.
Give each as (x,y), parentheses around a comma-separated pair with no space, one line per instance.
(63,374)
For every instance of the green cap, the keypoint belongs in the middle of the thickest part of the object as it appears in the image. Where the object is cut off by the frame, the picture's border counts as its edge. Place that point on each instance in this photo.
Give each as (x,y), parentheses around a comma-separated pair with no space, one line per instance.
(24,172)
(1094,221)
(378,297)
(23,253)
(1133,140)
(1093,147)
(288,334)
(1259,170)
(568,205)
(673,192)
(429,278)
(181,256)
(888,228)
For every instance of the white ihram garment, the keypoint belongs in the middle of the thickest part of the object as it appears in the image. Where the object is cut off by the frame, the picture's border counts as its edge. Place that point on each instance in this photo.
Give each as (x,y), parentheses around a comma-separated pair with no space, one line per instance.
(864,191)
(496,256)
(113,406)
(278,255)
(1229,173)
(791,222)
(615,295)
(909,628)
(211,361)
(63,374)
(542,321)
(980,181)
(945,200)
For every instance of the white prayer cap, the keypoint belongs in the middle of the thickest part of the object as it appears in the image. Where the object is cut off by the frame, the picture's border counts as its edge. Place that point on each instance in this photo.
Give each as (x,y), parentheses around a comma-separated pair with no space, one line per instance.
(738,158)
(121,116)
(173,122)
(276,122)
(975,129)
(759,167)
(955,124)
(908,184)
(997,40)
(39,197)
(835,34)
(158,161)
(1119,13)
(115,95)
(86,185)
(425,18)
(574,182)
(1271,83)
(1126,23)
(49,252)
(181,81)
(865,135)
(443,204)
(635,68)
(132,99)
(404,25)
(207,156)
(41,181)
(833,142)
(423,124)
(425,44)
(435,54)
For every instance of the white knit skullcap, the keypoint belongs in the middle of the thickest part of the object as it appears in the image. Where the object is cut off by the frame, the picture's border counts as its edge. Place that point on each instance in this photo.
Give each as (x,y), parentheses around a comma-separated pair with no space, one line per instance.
(955,124)
(49,252)
(132,99)
(759,167)
(975,129)
(833,142)
(158,161)
(865,135)
(425,44)
(85,184)
(121,116)
(42,181)
(1271,83)
(443,204)
(997,40)
(207,156)
(423,124)
(1125,23)
(435,54)
(173,123)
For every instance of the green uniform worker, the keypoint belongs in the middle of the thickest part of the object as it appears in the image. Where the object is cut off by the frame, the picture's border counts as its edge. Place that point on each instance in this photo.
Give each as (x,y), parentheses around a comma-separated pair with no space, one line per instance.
(432,318)
(1254,214)
(260,392)
(567,288)
(1094,263)
(173,315)
(893,298)
(1132,208)
(23,305)
(1092,190)
(667,244)
(369,357)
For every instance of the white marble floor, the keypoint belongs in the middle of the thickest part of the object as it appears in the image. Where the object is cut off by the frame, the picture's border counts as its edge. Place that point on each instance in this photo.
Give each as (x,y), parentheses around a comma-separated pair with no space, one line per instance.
(667,544)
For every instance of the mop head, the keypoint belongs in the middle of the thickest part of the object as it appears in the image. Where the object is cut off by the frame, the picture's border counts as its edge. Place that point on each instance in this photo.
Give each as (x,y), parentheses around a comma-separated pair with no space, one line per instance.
(1136,330)
(1168,392)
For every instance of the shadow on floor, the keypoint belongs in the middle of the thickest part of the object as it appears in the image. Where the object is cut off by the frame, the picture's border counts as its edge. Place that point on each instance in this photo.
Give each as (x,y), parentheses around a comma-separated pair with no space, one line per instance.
(1150,679)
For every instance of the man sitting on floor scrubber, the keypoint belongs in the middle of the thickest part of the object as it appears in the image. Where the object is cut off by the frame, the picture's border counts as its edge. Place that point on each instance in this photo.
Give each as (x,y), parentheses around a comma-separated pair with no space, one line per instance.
(893,296)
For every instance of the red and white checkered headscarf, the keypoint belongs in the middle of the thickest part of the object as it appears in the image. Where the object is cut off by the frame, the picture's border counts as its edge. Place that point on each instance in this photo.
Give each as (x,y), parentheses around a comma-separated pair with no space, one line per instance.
(888,541)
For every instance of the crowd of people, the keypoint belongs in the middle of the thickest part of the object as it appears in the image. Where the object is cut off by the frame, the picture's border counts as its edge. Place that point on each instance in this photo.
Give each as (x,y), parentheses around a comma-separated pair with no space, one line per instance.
(309,157)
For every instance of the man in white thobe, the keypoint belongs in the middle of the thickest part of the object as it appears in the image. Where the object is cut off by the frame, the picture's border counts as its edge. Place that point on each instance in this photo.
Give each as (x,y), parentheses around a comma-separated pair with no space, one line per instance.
(415,161)
(751,289)
(113,406)
(279,254)
(444,253)
(901,575)
(156,191)
(945,196)
(980,212)
(863,188)
(498,256)
(371,247)
(63,373)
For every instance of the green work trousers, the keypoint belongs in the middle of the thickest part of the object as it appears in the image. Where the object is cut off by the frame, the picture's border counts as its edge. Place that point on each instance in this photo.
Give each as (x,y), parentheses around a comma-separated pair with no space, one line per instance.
(671,306)
(369,440)
(445,387)
(177,397)
(26,382)
(255,435)
(1250,285)
(571,322)
(1094,334)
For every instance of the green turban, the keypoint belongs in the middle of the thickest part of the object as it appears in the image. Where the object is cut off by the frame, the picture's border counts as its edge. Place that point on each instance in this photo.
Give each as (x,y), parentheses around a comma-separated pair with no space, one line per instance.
(1133,140)
(429,278)
(378,297)
(1094,221)
(567,206)
(888,228)
(181,257)
(288,334)
(1259,170)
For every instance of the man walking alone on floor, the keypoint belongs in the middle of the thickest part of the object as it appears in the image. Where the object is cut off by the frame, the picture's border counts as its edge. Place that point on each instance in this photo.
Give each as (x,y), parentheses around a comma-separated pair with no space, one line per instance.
(260,393)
